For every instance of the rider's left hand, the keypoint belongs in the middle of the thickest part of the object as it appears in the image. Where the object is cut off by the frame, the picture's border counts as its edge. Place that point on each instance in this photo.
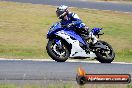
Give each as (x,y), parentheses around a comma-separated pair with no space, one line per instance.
(69,25)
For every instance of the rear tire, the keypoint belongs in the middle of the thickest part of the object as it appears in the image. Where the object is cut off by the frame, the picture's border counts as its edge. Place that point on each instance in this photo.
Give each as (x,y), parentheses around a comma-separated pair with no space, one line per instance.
(54,55)
(109,57)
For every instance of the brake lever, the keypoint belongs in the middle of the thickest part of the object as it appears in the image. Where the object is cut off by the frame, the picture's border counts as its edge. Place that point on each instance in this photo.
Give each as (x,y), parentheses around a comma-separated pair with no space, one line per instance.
(100,34)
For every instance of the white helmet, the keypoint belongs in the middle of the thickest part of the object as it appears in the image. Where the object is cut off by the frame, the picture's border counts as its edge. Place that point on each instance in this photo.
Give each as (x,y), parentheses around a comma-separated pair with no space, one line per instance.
(62,11)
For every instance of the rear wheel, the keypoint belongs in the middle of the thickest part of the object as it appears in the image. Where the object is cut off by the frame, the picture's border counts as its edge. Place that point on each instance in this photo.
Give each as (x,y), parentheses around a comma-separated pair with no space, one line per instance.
(56,53)
(105,56)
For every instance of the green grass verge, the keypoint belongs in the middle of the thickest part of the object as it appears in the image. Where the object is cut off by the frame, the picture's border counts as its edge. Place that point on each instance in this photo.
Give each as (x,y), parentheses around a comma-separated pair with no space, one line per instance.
(23,28)
(67,85)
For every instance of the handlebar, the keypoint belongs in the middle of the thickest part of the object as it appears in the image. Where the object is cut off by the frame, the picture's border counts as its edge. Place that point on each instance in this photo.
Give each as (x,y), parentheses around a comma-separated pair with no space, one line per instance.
(100,34)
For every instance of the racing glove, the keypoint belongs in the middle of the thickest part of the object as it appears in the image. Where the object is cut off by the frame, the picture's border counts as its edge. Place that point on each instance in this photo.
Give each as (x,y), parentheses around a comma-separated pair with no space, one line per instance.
(70,24)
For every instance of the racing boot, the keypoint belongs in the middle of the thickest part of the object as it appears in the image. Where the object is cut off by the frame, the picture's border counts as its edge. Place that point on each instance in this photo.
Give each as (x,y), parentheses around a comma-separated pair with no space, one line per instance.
(93,37)
(85,32)
(85,35)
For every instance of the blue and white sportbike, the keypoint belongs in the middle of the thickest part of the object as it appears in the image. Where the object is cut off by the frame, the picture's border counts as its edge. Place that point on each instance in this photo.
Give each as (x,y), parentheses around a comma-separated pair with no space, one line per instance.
(66,42)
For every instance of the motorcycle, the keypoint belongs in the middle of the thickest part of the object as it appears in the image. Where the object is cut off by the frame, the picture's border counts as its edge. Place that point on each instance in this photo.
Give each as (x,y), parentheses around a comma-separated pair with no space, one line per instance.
(65,42)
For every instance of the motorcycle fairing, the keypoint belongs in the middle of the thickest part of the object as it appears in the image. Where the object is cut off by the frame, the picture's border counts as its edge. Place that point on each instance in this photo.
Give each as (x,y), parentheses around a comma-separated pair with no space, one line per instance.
(72,38)
(95,31)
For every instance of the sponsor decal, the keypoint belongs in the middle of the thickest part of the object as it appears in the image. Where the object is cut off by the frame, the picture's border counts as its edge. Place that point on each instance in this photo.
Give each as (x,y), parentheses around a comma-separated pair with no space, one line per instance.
(82,78)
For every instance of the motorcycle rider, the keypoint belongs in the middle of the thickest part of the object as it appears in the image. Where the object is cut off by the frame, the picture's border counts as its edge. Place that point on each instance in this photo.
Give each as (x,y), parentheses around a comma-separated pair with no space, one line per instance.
(72,19)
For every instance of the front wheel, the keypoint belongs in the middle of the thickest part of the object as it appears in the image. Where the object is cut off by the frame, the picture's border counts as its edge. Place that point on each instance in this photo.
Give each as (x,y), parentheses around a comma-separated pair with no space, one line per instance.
(105,56)
(56,53)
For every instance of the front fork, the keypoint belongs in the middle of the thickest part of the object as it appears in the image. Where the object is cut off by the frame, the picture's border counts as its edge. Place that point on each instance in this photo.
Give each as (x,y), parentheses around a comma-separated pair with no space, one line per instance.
(101,46)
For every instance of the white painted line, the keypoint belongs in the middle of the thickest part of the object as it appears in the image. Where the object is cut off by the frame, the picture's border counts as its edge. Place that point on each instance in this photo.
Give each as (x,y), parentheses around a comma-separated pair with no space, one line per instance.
(95,62)
(26,59)
(77,61)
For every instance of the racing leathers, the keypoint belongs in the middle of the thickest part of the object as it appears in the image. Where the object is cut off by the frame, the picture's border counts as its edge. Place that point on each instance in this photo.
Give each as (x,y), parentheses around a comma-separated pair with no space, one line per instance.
(73,19)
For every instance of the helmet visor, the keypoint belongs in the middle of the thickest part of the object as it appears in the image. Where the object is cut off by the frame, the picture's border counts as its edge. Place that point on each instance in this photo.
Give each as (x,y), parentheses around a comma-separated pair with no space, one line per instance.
(61,14)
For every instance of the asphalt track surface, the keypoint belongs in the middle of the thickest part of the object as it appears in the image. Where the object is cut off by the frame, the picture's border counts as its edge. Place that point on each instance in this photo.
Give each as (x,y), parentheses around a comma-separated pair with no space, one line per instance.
(83,4)
(51,70)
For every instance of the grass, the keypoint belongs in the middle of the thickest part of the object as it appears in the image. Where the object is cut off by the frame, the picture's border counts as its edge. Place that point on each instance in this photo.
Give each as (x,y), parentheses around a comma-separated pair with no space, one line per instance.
(23,28)
(67,85)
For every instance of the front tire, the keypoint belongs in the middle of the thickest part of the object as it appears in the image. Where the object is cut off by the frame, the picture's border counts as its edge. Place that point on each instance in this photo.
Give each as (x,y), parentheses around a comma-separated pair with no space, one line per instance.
(56,54)
(104,56)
